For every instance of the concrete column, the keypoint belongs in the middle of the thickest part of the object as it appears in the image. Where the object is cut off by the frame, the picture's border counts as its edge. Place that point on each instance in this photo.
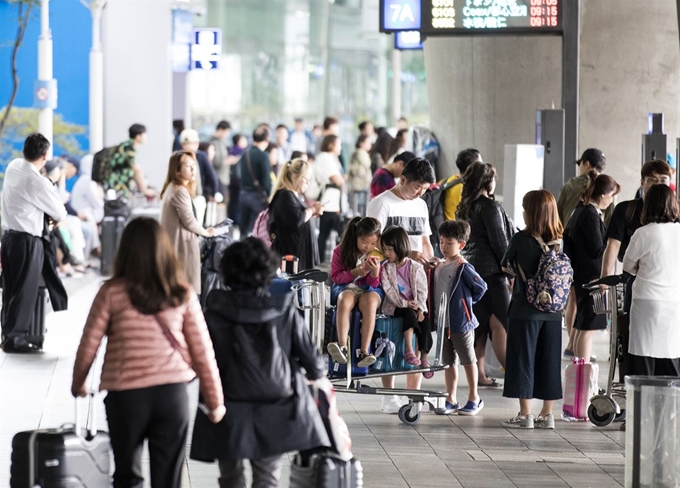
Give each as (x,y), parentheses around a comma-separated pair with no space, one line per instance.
(484,91)
(138,79)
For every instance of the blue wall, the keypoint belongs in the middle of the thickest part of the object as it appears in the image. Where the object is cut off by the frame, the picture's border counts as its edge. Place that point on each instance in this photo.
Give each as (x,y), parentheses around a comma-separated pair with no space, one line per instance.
(71,26)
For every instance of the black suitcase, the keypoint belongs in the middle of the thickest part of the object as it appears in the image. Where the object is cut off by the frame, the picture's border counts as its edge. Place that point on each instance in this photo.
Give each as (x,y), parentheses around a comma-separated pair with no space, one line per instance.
(37,330)
(61,457)
(325,470)
(112,230)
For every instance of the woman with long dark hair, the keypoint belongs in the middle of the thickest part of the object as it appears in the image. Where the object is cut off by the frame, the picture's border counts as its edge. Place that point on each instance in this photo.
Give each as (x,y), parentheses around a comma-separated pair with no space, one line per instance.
(490,233)
(533,365)
(157,343)
(585,243)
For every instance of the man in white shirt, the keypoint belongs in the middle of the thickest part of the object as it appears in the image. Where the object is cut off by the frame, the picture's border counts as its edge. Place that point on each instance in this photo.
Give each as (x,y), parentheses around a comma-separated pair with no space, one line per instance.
(327,174)
(26,198)
(402,206)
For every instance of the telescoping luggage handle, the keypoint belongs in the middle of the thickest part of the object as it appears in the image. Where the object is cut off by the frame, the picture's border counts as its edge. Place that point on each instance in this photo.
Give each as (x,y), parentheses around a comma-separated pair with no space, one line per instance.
(90,425)
(441,323)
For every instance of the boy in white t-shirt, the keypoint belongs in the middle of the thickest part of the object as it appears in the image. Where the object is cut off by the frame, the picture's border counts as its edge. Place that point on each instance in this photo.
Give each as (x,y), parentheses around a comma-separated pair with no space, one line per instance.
(403,207)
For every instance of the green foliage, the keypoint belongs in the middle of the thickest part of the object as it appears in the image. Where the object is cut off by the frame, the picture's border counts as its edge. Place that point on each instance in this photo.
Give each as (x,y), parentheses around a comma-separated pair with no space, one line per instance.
(23,121)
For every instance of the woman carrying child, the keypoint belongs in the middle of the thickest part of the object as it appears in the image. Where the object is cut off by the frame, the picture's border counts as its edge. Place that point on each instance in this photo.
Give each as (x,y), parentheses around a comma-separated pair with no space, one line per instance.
(356,282)
(405,285)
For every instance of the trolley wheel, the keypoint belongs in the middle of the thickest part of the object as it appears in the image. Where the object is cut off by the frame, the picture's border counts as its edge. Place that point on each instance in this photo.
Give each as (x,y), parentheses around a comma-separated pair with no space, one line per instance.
(621,417)
(406,417)
(600,420)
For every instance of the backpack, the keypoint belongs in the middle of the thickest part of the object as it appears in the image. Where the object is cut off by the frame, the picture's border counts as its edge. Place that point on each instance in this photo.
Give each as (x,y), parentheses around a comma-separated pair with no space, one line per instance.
(99,162)
(434,198)
(261,228)
(548,289)
(259,370)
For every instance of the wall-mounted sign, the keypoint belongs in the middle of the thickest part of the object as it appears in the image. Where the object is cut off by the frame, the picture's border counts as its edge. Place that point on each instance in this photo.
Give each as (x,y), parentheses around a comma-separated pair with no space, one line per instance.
(206,49)
(398,15)
(45,94)
(404,40)
(460,17)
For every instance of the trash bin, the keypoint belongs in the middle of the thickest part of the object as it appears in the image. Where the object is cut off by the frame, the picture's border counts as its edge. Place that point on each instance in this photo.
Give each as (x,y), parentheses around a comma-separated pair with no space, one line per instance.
(653,432)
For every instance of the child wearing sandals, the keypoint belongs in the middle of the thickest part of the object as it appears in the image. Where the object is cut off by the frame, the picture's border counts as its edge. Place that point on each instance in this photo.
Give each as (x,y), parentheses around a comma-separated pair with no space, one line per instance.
(464,287)
(355,272)
(405,285)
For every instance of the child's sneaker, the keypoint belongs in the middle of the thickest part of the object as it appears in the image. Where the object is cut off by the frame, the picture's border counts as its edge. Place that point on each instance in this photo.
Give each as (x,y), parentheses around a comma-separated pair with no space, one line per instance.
(338,353)
(449,408)
(547,422)
(390,404)
(520,421)
(471,408)
(365,359)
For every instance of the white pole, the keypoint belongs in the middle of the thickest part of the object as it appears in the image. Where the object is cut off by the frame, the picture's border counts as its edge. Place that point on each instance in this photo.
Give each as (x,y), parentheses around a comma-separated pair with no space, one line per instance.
(96,78)
(396,85)
(45,71)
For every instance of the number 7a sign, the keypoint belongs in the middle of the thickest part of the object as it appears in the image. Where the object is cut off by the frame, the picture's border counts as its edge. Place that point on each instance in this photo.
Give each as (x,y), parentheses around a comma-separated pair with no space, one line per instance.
(398,15)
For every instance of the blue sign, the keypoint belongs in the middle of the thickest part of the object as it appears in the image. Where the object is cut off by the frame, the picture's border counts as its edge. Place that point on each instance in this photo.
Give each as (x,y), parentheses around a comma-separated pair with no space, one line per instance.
(400,15)
(206,49)
(407,40)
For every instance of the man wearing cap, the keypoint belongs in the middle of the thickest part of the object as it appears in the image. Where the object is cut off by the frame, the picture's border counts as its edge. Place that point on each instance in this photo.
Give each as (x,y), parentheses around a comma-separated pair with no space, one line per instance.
(26,198)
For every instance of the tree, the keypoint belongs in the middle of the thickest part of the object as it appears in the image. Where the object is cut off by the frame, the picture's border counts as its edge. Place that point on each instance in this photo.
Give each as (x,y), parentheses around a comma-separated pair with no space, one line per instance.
(24,16)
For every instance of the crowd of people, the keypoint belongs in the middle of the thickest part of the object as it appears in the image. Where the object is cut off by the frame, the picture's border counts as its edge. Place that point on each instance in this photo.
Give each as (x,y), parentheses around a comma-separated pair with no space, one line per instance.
(159,338)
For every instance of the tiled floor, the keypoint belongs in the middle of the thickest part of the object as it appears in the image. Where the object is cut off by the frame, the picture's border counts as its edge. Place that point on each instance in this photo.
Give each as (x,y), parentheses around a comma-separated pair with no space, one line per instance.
(440,451)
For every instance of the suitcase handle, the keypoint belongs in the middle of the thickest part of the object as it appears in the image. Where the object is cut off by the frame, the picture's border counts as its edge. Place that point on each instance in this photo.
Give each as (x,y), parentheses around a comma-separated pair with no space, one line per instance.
(91,422)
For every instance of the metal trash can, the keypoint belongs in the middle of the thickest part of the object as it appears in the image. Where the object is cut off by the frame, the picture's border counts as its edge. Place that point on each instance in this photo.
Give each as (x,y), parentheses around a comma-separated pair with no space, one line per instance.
(653,432)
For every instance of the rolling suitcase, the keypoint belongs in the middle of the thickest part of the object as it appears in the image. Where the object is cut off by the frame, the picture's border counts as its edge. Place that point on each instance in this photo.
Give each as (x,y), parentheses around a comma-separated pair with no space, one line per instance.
(37,330)
(391,335)
(340,370)
(580,385)
(112,230)
(62,457)
(325,469)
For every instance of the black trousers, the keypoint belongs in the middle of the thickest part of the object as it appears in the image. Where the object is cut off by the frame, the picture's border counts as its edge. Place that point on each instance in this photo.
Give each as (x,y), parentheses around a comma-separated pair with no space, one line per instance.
(234,207)
(647,366)
(327,222)
(421,330)
(251,205)
(22,267)
(159,414)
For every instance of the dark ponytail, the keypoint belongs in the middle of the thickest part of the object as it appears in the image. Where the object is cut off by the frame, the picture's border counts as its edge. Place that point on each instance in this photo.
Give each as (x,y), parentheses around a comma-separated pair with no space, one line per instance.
(598,185)
(356,228)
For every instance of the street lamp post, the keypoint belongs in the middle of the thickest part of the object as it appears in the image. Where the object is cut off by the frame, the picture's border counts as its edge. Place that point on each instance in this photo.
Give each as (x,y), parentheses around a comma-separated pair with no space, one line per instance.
(45,119)
(96,77)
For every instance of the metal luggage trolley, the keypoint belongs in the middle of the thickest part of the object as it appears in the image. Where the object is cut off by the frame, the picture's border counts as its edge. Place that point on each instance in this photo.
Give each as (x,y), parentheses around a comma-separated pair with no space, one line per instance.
(604,409)
(310,297)
(409,413)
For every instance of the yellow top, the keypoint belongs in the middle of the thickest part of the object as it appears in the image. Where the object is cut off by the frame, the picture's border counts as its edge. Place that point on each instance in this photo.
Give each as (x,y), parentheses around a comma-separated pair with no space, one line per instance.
(452,198)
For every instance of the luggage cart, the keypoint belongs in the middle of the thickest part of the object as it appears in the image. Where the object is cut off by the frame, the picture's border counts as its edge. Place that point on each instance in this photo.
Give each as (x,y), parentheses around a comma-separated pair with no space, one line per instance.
(604,407)
(409,413)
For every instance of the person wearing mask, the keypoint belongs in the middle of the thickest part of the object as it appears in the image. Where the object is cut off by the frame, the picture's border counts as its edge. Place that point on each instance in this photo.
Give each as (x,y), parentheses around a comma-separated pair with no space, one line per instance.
(453,195)
(291,224)
(386,178)
(254,169)
(490,233)
(157,343)
(402,207)
(177,214)
(328,176)
(258,429)
(219,161)
(123,168)
(27,197)
(584,243)
(591,160)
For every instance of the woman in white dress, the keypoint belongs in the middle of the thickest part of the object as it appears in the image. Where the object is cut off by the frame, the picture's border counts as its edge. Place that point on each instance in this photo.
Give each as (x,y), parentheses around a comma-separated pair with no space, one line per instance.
(654,346)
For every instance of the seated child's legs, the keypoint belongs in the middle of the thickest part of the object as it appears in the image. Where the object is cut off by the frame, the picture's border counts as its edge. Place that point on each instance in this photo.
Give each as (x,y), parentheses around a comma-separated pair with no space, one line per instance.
(346,302)
(465,347)
(369,303)
(409,319)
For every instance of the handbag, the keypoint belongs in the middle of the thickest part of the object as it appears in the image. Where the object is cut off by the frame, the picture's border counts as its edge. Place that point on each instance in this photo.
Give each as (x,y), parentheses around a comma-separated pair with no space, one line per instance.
(256,182)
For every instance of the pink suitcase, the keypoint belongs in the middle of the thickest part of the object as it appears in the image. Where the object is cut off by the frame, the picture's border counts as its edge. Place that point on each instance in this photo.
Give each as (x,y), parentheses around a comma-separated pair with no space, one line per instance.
(580,384)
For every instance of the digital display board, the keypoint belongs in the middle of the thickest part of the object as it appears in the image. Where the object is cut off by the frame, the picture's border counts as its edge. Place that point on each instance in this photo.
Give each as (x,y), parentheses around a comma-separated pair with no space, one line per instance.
(404,40)
(461,17)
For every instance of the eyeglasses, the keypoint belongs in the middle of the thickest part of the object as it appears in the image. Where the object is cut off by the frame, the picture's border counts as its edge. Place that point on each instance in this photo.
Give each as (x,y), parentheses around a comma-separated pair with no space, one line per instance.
(661,180)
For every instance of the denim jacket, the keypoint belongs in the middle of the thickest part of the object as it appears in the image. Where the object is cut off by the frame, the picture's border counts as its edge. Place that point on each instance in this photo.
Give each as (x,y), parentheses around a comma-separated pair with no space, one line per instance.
(468,288)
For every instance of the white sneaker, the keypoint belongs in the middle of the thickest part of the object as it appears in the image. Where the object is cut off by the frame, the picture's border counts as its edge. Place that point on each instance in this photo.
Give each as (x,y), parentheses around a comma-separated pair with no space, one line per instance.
(390,404)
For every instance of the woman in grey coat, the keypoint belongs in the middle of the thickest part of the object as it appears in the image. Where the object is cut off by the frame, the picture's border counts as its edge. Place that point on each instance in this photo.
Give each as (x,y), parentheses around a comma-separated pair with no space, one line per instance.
(258,429)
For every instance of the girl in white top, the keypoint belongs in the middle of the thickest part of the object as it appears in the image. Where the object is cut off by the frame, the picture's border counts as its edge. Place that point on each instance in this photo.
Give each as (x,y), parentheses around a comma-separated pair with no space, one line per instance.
(654,346)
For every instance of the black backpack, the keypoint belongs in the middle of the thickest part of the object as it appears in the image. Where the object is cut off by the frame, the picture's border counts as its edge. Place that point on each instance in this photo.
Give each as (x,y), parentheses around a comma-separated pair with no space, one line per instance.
(258,369)
(99,162)
(434,198)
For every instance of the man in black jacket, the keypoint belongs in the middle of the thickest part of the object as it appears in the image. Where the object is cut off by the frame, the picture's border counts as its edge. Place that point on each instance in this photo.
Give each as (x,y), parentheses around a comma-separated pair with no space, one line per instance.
(256,182)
